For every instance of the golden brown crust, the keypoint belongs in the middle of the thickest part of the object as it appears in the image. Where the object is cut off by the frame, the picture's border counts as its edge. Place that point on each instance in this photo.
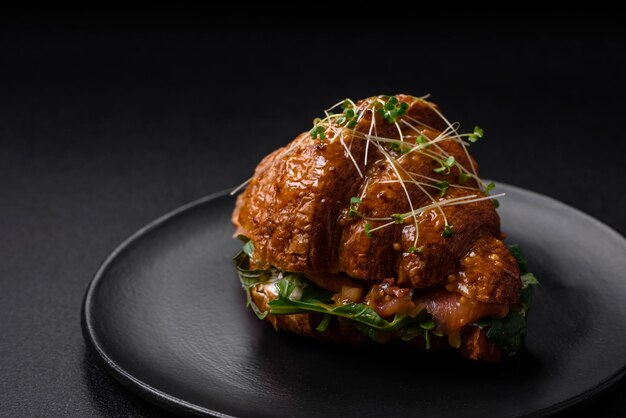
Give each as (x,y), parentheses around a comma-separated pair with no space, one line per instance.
(488,273)
(373,258)
(295,210)
(289,207)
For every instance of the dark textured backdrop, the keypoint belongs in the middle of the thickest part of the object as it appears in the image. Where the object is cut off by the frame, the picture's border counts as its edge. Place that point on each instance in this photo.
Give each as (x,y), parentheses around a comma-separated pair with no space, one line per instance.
(103,129)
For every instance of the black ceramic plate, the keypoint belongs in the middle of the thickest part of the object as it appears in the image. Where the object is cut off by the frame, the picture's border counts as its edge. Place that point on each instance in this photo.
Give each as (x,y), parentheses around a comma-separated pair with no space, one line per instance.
(166,314)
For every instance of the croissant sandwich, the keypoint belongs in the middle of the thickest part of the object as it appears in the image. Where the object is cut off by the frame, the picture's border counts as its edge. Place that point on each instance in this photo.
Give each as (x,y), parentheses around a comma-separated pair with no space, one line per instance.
(375,225)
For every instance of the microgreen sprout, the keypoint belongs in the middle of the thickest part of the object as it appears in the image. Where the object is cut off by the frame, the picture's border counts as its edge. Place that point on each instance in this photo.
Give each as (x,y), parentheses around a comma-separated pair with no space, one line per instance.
(445,165)
(397,218)
(348,118)
(354,207)
(453,129)
(443,187)
(318,132)
(401,147)
(393,109)
(421,141)
(473,137)
(447,231)
(430,324)
(368,230)
(463,177)
(341,122)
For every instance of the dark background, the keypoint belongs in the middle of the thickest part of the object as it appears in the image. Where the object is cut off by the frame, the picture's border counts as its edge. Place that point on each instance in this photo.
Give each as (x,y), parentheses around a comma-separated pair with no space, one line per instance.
(107,123)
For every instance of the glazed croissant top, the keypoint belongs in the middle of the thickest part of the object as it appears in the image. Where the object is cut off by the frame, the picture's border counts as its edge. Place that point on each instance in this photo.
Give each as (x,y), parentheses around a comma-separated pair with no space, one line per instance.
(389,191)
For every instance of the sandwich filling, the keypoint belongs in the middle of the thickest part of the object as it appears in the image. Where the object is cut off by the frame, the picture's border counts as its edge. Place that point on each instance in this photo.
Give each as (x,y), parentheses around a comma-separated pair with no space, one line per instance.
(384,311)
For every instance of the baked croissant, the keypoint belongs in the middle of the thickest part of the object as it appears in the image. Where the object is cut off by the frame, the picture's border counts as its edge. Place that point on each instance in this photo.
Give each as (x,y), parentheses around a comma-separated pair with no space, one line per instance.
(380,208)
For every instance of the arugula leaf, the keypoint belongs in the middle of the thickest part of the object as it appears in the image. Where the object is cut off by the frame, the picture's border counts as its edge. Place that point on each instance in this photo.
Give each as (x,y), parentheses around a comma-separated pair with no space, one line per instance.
(354,207)
(516,252)
(287,285)
(529,279)
(323,325)
(422,329)
(358,312)
(406,331)
(250,278)
(509,333)
(248,248)
(296,294)
(315,299)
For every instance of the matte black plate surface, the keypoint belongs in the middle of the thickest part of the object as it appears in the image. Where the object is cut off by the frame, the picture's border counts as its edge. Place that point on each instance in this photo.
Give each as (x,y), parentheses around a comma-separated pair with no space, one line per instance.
(166,314)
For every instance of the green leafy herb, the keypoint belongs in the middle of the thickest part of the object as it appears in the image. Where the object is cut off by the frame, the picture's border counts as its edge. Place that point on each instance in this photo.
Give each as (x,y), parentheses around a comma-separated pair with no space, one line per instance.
(250,278)
(447,231)
(401,147)
(445,165)
(415,250)
(516,252)
(397,218)
(443,187)
(496,203)
(318,132)
(296,294)
(287,285)
(422,329)
(314,299)
(478,133)
(463,177)
(368,230)
(323,325)
(349,116)
(354,207)
(248,248)
(393,109)
(529,279)
(422,142)
(430,324)
(508,333)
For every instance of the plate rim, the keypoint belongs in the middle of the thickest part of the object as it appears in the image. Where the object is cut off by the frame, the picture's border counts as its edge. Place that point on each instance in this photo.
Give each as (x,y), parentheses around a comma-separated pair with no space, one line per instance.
(127,380)
(175,404)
